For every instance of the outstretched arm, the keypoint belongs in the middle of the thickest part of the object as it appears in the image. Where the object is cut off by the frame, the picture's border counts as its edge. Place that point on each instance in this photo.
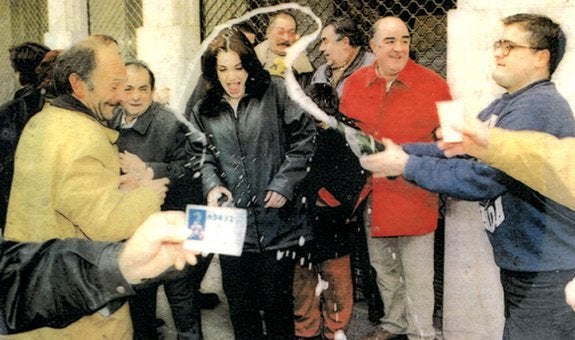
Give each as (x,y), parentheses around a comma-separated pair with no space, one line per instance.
(457,177)
(54,283)
(539,160)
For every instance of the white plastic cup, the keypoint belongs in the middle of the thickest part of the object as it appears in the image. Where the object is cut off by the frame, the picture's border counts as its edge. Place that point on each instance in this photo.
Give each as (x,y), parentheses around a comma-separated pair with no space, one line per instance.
(451,112)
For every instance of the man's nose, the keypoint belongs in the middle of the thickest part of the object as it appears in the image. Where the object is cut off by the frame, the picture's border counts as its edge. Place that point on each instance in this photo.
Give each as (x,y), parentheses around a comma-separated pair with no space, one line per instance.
(286,36)
(398,45)
(498,53)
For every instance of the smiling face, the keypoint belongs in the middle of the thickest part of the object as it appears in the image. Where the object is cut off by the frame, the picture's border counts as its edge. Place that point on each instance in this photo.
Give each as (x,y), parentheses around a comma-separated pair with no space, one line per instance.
(282,34)
(390,44)
(232,75)
(523,65)
(335,49)
(138,92)
(102,92)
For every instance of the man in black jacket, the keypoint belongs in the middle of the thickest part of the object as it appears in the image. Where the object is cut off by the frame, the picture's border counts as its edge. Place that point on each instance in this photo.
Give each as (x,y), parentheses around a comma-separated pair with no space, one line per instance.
(93,276)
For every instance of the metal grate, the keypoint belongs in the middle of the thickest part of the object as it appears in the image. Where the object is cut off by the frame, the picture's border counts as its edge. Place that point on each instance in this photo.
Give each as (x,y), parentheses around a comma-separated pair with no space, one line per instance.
(118,18)
(28,25)
(27,20)
(215,12)
(19,24)
(426,19)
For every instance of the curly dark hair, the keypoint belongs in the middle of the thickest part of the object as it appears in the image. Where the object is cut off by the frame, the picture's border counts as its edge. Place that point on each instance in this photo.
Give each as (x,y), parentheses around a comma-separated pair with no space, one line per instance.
(45,73)
(24,59)
(231,39)
(325,96)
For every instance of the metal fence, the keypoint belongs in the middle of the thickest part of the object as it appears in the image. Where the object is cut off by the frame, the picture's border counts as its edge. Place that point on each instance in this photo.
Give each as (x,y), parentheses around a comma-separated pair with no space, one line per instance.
(426,19)
(27,20)
(118,18)
(24,20)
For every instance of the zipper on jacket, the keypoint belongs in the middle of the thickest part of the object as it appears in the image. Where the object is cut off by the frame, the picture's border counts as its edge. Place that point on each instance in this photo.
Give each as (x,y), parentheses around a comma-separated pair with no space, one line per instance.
(235,115)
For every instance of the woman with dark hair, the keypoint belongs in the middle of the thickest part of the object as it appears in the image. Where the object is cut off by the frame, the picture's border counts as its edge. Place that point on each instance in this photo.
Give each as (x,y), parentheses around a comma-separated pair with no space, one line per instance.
(232,42)
(258,143)
(24,59)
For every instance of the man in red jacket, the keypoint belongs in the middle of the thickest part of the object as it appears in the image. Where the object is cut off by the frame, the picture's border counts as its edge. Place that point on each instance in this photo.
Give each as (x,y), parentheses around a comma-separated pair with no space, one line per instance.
(395,98)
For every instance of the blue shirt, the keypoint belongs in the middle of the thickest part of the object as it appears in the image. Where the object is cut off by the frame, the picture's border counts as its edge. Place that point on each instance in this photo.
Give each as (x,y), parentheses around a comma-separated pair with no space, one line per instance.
(528,231)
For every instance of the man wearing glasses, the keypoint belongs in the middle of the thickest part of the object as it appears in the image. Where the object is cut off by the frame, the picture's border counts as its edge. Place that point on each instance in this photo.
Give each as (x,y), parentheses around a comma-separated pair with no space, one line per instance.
(532,236)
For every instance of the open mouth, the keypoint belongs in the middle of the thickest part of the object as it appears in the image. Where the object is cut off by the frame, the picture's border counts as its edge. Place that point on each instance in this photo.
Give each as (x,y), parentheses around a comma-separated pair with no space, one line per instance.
(234,88)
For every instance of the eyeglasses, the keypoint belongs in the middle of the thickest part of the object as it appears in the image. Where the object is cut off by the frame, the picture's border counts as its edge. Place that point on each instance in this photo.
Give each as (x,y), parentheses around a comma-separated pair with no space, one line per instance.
(506,46)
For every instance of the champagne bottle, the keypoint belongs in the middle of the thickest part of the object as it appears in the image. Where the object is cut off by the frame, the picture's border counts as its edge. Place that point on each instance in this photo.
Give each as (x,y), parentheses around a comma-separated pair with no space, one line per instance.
(359,142)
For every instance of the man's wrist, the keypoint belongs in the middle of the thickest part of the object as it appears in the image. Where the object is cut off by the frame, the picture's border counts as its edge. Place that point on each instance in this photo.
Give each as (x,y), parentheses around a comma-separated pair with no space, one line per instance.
(114,277)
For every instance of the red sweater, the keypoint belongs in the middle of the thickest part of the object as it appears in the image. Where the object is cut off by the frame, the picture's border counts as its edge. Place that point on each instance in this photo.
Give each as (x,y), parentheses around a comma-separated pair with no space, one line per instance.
(406,114)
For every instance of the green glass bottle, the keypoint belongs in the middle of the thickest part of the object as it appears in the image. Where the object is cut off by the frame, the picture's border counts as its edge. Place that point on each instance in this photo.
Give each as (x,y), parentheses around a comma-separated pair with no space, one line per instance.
(359,142)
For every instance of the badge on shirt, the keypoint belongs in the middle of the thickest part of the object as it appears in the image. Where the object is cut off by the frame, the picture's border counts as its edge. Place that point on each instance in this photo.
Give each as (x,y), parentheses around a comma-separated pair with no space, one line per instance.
(492,213)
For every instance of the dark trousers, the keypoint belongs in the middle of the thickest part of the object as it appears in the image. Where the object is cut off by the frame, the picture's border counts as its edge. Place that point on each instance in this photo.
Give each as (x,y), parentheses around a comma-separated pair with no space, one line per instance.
(182,293)
(258,287)
(535,306)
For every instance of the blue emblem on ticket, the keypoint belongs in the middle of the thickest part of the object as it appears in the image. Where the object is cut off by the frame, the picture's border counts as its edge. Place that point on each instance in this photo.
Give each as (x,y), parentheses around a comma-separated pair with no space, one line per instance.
(216,230)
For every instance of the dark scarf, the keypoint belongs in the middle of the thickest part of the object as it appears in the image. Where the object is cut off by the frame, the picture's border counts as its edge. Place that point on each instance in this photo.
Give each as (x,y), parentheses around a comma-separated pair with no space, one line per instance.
(69,102)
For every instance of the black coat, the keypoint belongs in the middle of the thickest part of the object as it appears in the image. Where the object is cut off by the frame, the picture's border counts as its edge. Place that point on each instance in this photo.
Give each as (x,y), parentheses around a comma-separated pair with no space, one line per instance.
(160,139)
(14,115)
(266,147)
(334,169)
(55,283)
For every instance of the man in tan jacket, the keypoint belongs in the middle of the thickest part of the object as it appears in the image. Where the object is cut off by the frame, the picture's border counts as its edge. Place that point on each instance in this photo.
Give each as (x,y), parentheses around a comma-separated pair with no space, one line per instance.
(67,173)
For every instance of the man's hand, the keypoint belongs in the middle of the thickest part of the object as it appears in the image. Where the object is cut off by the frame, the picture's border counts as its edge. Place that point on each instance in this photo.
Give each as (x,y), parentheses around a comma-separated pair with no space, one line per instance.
(388,163)
(274,200)
(475,139)
(216,193)
(132,164)
(162,95)
(128,183)
(156,246)
(159,186)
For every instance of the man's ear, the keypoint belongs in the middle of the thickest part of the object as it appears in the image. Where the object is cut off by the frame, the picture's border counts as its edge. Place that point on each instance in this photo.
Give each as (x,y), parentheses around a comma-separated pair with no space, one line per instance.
(543,58)
(372,45)
(269,30)
(78,85)
(344,39)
